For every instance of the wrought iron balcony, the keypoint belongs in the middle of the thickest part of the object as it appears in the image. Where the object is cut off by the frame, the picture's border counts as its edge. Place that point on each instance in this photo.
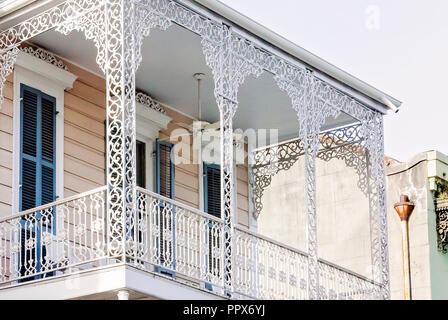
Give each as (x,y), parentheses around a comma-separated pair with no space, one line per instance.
(166,237)
(54,238)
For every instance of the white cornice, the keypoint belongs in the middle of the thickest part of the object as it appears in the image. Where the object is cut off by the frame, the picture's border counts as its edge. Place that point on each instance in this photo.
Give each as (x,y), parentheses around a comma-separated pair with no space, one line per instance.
(45,69)
(150,121)
(46,56)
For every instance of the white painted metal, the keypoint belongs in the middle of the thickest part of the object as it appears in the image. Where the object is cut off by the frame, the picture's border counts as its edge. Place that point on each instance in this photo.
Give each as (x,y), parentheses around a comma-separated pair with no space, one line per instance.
(53,237)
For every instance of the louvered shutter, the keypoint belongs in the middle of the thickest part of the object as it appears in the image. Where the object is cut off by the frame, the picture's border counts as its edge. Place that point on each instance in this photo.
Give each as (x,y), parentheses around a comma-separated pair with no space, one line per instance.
(37,148)
(48,150)
(28,176)
(165,170)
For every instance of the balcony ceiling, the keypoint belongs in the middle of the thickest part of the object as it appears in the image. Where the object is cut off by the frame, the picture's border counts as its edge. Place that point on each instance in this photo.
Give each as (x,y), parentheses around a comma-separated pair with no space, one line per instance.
(170,58)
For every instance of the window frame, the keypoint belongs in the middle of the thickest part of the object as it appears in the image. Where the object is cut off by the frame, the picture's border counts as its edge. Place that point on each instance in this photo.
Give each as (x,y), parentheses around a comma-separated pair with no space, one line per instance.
(52,81)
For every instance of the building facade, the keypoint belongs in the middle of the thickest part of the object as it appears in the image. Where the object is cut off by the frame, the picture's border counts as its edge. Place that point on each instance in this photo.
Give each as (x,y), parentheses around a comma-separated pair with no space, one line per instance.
(341,228)
(423,179)
(135,159)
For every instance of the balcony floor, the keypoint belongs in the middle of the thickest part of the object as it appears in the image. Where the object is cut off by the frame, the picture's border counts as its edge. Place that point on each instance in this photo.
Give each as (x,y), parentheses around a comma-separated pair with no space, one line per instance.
(103,284)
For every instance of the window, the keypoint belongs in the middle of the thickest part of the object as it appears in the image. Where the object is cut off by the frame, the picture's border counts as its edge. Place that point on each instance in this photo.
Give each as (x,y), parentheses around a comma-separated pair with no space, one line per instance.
(46,80)
(37,171)
(212,189)
(141,163)
(37,151)
(212,205)
(165,216)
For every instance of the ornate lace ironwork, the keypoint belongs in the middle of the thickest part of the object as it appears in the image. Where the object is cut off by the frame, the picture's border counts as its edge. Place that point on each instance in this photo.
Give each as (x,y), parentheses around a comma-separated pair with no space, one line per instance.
(149,102)
(442,224)
(7,60)
(45,56)
(344,143)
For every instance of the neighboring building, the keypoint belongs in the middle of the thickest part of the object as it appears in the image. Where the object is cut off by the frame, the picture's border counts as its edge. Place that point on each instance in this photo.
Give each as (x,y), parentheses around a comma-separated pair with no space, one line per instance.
(424,180)
(342,219)
(103,192)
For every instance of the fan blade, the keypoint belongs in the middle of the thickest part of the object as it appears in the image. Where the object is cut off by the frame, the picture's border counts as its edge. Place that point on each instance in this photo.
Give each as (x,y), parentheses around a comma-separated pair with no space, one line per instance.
(184,125)
(214,125)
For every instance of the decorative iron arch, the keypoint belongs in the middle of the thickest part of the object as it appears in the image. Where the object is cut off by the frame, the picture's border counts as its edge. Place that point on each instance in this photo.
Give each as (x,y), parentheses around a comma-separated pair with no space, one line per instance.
(344,143)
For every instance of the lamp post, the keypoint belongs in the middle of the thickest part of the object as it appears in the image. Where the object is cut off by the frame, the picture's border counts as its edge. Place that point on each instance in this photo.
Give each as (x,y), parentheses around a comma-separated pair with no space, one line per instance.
(404,209)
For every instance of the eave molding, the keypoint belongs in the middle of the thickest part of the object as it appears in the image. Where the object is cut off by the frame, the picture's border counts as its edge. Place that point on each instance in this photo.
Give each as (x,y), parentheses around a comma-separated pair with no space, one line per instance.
(46,69)
(149,121)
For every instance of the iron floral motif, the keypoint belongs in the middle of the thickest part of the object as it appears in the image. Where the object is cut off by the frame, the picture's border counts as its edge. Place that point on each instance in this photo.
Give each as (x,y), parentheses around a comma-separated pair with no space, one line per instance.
(45,56)
(442,224)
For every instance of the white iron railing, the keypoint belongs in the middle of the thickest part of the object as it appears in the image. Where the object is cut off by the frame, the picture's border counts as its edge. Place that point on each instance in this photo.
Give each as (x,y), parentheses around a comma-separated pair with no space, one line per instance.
(167,237)
(177,238)
(338,283)
(267,269)
(38,242)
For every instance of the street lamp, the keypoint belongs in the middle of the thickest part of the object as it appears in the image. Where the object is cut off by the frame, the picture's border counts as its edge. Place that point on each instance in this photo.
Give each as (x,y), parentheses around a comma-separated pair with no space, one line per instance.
(404,209)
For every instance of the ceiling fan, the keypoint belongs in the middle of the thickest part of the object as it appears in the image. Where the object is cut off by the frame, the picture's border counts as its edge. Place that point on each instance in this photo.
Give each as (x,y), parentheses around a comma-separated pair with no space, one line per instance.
(206,128)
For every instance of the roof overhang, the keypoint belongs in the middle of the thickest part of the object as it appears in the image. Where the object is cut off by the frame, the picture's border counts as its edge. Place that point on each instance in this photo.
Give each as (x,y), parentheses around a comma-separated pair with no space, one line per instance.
(14,11)
(300,53)
(348,83)
(10,6)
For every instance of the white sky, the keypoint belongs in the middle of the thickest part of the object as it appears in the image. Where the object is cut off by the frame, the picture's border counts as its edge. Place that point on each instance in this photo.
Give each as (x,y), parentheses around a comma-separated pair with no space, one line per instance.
(402,51)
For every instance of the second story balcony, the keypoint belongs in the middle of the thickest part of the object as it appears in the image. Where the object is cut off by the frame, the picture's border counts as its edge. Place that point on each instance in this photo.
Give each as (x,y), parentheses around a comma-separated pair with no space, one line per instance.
(161,150)
(167,239)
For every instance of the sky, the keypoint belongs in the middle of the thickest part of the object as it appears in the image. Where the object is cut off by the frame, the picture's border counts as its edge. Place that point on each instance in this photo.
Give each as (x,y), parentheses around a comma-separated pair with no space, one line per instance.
(399,47)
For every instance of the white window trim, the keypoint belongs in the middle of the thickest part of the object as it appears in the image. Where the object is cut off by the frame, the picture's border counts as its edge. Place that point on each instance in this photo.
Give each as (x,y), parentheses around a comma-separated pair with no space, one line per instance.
(149,122)
(51,80)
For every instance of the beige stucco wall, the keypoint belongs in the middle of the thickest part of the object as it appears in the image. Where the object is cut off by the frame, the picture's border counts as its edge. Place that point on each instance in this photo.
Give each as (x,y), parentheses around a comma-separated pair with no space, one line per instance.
(413,182)
(429,267)
(342,210)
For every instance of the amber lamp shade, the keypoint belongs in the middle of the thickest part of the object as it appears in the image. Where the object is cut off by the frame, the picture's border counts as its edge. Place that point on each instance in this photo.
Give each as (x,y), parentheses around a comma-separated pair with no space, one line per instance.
(404,208)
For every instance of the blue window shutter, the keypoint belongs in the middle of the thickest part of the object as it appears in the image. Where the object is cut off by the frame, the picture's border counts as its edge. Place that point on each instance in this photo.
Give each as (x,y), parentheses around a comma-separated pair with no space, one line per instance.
(212,189)
(28,150)
(48,146)
(37,151)
(164,169)
(37,168)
